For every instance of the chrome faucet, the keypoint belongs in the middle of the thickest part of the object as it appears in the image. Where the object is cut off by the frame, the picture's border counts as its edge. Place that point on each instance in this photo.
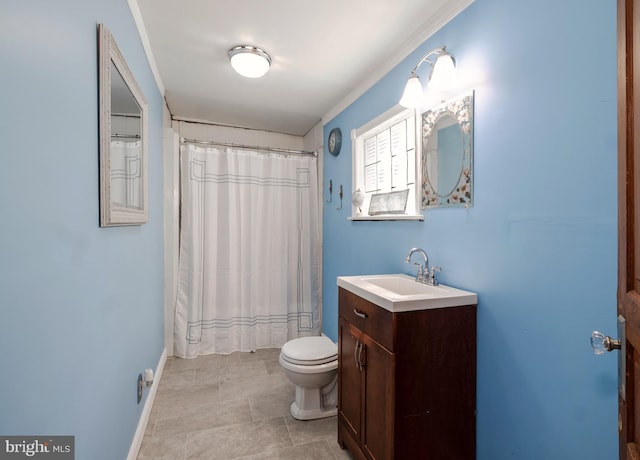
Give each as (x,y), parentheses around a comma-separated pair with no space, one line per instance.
(426,274)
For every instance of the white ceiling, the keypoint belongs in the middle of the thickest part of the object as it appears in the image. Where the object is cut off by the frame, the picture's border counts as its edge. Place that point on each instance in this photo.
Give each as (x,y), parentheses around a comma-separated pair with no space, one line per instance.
(324,54)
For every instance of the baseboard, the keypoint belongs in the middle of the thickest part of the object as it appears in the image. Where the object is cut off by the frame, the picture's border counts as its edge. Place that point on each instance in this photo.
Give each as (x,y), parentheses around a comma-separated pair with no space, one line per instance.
(146,411)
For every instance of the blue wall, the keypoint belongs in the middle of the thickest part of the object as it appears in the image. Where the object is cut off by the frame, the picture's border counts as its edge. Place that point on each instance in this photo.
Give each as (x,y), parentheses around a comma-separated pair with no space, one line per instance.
(81,309)
(539,245)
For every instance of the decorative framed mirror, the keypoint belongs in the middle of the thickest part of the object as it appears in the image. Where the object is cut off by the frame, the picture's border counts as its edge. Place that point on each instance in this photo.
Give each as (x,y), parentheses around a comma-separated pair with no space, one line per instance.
(447,154)
(123,139)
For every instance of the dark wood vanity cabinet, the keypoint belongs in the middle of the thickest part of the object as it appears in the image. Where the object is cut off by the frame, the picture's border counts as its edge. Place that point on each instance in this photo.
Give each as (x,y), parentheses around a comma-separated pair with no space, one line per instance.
(406,381)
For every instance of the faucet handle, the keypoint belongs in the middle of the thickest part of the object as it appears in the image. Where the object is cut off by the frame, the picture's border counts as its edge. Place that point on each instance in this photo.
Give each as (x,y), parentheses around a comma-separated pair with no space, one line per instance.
(431,276)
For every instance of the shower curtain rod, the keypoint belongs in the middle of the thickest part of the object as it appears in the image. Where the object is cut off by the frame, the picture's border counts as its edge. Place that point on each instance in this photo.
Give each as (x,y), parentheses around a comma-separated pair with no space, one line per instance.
(184,140)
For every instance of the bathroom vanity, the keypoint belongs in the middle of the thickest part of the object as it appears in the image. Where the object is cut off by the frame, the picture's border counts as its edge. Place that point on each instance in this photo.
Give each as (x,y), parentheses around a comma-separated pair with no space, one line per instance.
(406,369)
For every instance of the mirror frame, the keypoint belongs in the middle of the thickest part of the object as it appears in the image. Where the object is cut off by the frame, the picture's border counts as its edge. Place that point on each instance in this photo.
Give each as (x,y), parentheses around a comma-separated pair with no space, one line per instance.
(461,109)
(110,214)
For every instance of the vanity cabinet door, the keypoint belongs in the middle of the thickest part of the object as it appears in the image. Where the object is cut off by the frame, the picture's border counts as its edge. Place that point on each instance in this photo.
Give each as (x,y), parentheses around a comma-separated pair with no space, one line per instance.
(350,380)
(366,392)
(379,401)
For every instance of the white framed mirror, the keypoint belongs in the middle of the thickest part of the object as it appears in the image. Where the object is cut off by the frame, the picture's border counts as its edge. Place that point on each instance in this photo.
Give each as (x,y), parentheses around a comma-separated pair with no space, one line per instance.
(447,154)
(123,139)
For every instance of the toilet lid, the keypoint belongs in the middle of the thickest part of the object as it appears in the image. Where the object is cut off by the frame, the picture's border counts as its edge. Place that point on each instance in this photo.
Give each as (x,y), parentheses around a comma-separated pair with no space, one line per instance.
(310,350)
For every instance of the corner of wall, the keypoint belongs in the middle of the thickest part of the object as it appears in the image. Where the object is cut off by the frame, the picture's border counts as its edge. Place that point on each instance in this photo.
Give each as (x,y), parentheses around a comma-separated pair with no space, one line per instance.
(312,141)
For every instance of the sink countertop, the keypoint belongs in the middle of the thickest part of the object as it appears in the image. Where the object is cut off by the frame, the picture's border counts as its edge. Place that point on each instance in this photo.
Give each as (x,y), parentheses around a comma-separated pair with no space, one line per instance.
(394,292)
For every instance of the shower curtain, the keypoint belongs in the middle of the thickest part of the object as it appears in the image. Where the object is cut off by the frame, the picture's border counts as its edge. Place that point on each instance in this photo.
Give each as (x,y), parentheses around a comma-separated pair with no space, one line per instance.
(249,249)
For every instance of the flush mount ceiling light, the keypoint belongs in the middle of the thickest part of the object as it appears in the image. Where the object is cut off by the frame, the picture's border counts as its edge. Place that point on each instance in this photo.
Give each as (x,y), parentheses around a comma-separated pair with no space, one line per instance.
(249,61)
(440,77)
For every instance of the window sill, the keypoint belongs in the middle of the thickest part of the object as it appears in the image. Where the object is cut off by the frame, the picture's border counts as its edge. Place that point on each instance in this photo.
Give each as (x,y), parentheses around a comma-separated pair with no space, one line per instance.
(419,217)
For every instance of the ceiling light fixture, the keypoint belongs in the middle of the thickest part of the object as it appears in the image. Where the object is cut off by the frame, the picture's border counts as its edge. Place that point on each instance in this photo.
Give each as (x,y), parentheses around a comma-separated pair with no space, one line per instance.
(440,77)
(249,61)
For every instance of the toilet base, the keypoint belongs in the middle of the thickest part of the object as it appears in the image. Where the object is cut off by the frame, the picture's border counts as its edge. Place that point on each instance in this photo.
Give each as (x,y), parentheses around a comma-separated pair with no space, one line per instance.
(311,414)
(309,405)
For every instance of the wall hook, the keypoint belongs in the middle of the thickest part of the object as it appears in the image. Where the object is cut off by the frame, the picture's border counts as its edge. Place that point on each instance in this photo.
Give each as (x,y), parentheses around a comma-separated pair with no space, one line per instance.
(330,190)
(340,195)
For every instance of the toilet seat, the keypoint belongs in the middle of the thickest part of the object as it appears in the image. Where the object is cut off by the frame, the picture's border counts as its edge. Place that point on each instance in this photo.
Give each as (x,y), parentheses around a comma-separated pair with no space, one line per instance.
(309,351)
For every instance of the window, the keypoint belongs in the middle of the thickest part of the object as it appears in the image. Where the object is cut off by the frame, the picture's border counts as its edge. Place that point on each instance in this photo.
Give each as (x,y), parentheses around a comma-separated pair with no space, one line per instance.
(385,173)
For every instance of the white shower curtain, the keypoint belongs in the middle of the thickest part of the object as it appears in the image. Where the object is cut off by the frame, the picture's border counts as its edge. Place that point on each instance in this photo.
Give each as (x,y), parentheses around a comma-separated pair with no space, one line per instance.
(248,275)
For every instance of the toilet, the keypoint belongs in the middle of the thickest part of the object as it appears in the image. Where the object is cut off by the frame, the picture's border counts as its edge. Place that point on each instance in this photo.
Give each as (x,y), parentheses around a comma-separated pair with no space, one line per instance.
(311,363)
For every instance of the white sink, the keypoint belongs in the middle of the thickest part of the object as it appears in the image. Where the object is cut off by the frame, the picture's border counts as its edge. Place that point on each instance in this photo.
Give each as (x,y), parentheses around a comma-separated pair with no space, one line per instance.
(399,292)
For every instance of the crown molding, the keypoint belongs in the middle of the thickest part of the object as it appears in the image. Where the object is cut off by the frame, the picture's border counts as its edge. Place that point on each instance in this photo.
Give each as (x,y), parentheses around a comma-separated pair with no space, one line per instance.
(142,31)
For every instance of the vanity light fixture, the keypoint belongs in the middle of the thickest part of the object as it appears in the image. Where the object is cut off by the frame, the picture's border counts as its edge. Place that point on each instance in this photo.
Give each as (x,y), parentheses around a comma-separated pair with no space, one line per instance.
(440,77)
(249,61)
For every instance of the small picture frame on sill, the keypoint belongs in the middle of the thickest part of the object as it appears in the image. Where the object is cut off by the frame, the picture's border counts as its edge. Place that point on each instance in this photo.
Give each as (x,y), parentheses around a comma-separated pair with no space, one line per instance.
(388,203)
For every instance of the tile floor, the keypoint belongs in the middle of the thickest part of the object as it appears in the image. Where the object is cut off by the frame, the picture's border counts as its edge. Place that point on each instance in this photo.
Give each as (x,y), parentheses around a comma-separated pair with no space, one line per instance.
(233,407)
